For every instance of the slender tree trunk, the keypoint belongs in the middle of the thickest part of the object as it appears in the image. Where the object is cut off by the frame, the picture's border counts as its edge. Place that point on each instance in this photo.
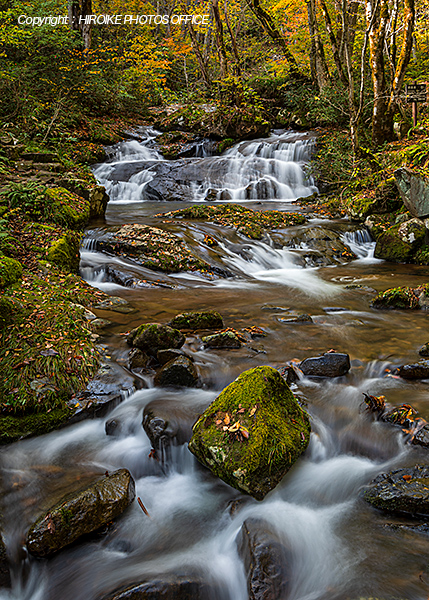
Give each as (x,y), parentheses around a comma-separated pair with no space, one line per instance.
(233,40)
(200,59)
(77,11)
(269,26)
(86,27)
(220,44)
(318,64)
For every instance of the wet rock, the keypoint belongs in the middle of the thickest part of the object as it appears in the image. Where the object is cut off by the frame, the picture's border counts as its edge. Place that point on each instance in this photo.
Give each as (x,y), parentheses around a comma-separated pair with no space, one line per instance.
(98,200)
(401,242)
(137,359)
(321,246)
(419,370)
(167,587)
(177,372)
(167,421)
(253,432)
(112,427)
(115,304)
(151,337)
(266,560)
(330,364)
(404,491)
(104,392)
(223,339)
(209,319)
(100,323)
(403,297)
(414,192)
(424,350)
(421,438)
(80,513)
(151,248)
(164,356)
(289,374)
(304,318)
(5,581)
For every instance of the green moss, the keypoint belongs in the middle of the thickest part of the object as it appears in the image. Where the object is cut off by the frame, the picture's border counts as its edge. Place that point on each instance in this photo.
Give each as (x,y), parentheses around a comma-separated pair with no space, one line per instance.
(401,242)
(248,222)
(65,252)
(68,209)
(10,271)
(151,337)
(225,144)
(260,401)
(7,309)
(400,297)
(13,428)
(197,320)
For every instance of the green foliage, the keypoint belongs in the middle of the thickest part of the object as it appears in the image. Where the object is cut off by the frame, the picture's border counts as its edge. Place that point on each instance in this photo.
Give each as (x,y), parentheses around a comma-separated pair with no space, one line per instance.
(10,271)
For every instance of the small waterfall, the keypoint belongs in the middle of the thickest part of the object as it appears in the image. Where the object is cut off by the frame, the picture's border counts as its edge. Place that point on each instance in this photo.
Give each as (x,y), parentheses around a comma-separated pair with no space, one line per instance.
(361,243)
(271,169)
(266,264)
(129,151)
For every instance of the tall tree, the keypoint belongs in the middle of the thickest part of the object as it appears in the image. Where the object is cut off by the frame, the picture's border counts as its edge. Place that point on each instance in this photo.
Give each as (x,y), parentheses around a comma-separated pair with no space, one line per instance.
(319,68)
(77,11)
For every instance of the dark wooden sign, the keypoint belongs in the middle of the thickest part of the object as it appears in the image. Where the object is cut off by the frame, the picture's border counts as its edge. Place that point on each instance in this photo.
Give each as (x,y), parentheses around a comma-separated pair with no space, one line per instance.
(416,92)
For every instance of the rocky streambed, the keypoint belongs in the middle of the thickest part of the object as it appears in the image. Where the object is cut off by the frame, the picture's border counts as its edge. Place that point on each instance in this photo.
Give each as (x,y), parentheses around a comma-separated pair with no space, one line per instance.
(215,296)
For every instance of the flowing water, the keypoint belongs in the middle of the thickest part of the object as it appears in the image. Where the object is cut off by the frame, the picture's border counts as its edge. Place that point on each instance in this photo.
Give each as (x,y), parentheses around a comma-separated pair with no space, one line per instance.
(338,547)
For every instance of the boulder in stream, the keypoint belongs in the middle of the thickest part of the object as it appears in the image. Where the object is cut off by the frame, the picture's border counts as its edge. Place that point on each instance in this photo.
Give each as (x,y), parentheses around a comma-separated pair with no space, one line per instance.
(209,319)
(330,364)
(81,513)
(167,587)
(401,242)
(404,491)
(151,337)
(180,371)
(424,350)
(266,560)
(418,370)
(252,433)
(222,339)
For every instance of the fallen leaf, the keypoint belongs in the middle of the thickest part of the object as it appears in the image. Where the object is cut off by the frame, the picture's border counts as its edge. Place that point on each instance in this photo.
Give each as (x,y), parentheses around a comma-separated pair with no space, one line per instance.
(407,477)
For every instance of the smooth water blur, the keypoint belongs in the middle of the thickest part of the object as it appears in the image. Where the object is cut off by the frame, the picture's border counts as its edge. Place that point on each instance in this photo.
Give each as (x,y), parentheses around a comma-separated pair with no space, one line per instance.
(338,548)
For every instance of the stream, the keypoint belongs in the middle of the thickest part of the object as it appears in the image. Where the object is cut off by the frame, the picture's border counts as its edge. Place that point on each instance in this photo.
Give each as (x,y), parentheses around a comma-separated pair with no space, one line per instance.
(339,547)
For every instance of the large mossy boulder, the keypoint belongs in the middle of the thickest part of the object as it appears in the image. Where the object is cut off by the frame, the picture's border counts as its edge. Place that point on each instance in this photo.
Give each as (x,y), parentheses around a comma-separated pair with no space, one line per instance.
(404,491)
(10,271)
(64,252)
(401,242)
(403,297)
(383,199)
(152,337)
(253,433)
(209,319)
(81,513)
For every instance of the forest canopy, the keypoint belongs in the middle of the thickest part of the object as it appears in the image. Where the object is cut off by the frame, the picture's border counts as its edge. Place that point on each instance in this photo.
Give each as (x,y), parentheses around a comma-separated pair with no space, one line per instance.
(322,62)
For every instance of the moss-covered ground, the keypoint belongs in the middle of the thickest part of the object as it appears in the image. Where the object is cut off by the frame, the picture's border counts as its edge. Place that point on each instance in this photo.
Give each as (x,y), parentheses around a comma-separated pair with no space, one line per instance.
(251,223)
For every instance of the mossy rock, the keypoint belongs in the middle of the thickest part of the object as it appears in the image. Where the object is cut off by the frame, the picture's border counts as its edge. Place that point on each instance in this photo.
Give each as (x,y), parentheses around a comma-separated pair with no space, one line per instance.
(7,309)
(16,428)
(64,252)
(152,337)
(10,271)
(253,433)
(177,372)
(209,319)
(400,297)
(81,513)
(68,208)
(401,242)
(223,339)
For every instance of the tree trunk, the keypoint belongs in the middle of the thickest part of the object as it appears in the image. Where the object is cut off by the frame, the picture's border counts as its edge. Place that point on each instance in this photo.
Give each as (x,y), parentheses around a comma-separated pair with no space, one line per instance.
(197,51)
(269,26)
(317,54)
(85,28)
(233,40)
(220,44)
